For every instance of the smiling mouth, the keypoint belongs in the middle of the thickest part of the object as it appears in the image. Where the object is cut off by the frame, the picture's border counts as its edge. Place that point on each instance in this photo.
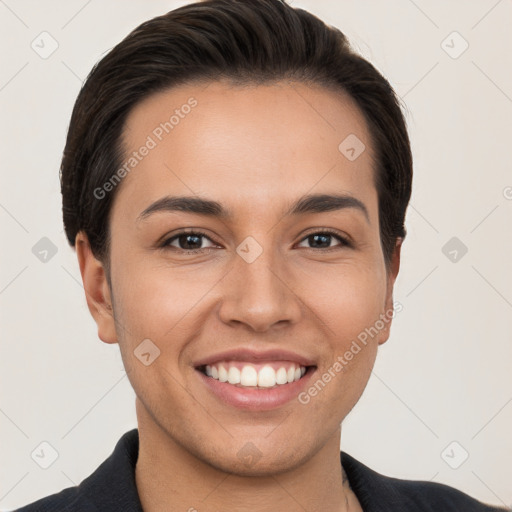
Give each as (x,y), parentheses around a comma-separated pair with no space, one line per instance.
(257,376)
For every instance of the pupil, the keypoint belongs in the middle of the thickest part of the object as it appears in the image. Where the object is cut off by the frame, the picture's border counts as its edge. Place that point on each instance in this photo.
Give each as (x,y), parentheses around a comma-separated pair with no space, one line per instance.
(187,238)
(324,238)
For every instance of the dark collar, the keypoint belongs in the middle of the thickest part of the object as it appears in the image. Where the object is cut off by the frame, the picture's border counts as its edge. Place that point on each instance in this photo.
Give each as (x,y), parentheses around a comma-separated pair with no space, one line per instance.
(112,486)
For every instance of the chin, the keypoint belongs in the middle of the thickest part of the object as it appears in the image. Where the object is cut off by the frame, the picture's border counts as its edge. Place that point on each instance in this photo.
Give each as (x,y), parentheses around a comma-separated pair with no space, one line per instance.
(251,461)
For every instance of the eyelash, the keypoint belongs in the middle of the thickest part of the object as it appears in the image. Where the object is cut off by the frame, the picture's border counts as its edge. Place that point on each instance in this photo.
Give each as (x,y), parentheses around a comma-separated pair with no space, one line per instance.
(166,244)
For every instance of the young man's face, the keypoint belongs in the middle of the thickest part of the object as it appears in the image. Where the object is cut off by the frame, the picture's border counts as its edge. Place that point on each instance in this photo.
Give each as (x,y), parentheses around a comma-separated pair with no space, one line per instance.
(263,282)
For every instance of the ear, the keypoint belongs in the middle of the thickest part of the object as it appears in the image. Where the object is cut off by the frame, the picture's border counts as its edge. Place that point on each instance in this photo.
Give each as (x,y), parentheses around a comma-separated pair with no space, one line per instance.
(391,277)
(97,291)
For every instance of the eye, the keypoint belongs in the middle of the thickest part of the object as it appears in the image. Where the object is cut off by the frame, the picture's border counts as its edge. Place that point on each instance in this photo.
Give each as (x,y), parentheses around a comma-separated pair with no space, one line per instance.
(187,241)
(322,240)
(192,241)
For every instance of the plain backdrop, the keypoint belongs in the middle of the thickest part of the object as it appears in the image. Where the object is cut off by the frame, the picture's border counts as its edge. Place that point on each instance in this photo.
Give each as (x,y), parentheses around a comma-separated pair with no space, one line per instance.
(439,403)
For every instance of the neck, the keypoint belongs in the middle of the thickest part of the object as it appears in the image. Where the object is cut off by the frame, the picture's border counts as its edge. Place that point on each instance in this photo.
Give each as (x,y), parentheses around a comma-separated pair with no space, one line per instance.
(167,476)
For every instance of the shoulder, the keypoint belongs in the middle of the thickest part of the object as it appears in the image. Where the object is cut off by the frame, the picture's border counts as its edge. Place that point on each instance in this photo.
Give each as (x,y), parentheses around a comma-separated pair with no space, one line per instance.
(67,500)
(433,496)
(383,493)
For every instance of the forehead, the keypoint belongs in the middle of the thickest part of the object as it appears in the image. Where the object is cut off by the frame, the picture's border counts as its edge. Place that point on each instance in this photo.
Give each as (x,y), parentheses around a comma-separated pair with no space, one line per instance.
(254,145)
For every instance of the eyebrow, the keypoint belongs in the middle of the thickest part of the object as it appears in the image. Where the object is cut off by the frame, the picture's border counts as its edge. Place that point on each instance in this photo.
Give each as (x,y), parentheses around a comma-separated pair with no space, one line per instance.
(312,203)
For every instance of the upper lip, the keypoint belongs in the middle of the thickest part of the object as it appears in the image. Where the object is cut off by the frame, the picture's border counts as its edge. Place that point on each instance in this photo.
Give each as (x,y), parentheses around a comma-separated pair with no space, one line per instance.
(249,355)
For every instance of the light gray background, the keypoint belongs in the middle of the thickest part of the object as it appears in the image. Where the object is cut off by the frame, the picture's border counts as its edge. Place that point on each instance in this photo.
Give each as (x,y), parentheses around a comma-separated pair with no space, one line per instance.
(443,376)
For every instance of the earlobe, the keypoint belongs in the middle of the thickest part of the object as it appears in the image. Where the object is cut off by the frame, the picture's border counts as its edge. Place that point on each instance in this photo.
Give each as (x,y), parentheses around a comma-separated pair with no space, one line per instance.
(96,287)
(391,278)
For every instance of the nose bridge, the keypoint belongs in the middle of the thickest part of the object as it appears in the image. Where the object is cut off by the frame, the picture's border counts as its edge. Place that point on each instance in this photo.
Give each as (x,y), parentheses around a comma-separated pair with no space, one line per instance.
(256,293)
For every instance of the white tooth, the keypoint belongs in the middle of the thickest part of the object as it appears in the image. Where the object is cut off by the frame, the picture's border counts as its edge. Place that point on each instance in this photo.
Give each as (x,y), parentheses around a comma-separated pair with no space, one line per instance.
(267,377)
(302,370)
(281,377)
(223,374)
(249,376)
(297,373)
(208,370)
(234,375)
(291,373)
(215,373)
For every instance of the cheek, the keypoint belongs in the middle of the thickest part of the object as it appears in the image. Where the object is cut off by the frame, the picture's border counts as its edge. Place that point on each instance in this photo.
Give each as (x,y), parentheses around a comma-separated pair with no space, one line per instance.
(155,300)
(346,298)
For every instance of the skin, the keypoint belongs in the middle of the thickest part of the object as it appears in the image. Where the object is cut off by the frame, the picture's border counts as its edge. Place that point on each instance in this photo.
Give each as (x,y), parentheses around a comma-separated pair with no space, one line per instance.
(255,150)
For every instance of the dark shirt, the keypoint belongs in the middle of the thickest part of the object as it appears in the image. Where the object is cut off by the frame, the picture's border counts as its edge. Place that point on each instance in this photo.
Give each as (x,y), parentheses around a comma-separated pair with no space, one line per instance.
(111,488)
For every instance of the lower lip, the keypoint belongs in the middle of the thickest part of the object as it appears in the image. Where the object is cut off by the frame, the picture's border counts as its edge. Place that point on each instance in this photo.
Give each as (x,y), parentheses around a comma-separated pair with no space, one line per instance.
(257,399)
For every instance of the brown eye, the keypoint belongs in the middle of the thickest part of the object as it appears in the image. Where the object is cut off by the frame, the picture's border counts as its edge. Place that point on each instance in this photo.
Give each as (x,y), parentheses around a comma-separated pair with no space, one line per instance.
(187,241)
(323,240)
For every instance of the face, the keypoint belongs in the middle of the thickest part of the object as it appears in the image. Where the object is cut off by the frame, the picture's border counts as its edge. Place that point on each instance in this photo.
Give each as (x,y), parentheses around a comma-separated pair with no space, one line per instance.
(263,282)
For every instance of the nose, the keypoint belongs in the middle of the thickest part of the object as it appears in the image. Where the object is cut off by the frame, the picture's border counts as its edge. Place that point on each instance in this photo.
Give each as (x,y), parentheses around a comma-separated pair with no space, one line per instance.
(260,294)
